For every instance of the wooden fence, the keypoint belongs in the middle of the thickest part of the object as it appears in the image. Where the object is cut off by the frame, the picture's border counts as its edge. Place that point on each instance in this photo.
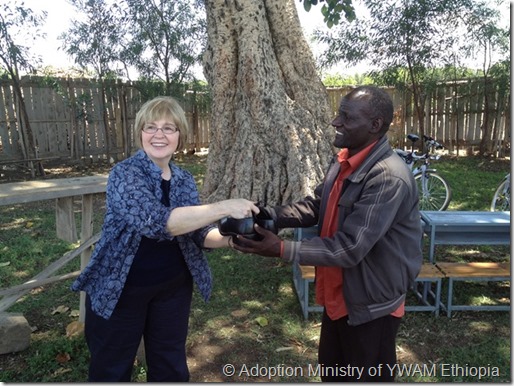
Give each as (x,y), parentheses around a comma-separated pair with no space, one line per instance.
(79,119)
(454,114)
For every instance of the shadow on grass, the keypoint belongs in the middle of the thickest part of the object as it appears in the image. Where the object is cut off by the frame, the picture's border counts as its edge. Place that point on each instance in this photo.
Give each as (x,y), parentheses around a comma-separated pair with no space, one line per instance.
(469,347)
(225,332)
(253,323)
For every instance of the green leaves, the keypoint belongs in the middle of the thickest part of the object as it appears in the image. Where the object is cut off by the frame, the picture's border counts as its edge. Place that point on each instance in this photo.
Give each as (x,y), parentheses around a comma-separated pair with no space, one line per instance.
(261,321)
(18,25)
(307,4)
(332,10)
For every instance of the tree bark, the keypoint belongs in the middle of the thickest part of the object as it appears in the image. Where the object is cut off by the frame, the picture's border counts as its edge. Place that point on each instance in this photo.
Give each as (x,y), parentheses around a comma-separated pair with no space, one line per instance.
(270,137)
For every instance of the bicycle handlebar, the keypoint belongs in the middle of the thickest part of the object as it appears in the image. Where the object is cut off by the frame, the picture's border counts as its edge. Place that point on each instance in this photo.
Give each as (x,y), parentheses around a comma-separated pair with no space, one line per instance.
(431,142)
(411,156)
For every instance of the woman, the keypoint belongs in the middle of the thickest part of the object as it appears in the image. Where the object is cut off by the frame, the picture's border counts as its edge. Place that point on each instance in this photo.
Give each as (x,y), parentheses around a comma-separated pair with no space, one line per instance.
(139,281)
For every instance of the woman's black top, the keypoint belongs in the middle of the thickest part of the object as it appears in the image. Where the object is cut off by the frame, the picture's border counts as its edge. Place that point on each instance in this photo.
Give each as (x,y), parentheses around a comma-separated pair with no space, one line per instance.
(157,261)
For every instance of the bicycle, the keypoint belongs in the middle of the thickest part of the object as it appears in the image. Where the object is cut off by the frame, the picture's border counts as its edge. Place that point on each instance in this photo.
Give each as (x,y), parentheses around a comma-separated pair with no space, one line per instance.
(501,198)
(434,191)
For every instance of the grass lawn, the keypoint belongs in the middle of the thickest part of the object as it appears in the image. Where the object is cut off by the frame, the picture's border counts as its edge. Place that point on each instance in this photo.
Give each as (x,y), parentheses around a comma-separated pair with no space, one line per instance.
(253,324)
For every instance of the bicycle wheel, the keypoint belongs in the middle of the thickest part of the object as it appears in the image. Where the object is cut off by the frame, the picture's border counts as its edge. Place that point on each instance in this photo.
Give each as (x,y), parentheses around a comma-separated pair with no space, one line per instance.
(501,198)
(434,192)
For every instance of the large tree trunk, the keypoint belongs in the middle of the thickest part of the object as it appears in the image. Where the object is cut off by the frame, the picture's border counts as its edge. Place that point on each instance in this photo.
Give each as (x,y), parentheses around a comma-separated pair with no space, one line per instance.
(270,137)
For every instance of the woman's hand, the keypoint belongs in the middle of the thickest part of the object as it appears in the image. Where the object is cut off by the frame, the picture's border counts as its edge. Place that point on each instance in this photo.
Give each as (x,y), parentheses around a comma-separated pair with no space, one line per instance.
(190,218)
(238,208)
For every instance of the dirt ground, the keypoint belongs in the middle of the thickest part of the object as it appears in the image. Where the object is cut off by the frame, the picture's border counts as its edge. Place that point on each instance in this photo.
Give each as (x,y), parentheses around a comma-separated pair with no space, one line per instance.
(21,172)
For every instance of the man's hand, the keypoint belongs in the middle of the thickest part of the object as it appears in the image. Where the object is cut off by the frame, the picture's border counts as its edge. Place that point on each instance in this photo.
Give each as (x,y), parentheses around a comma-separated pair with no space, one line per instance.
(268,246)
(264,220)
(264,213)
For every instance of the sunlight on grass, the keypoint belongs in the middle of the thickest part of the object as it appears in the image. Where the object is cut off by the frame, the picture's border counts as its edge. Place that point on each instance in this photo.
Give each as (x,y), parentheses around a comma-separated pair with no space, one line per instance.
(42,336)
(405,354)
(255,305)
(481,326)
(227,332)
(309,333)
(285,289)
(483,300)
(16,223)
(21,274)
(217,323)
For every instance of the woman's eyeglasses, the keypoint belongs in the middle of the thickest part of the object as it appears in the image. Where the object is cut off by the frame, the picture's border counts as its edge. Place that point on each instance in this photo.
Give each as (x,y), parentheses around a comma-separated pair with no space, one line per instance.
(168,129)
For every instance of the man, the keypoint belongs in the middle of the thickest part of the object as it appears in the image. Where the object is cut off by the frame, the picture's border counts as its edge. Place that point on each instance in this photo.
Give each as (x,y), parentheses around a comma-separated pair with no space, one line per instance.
(368,251)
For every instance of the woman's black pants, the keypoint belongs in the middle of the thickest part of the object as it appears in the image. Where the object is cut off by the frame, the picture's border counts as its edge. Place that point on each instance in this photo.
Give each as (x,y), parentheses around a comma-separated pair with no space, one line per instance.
(160,313)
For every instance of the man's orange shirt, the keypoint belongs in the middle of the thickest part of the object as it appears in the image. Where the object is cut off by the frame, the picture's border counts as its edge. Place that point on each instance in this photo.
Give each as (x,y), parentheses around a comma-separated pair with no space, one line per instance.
(329,280)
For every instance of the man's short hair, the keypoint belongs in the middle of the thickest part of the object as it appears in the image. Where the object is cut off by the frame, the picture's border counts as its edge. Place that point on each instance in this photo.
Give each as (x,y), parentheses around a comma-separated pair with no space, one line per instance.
(380,104)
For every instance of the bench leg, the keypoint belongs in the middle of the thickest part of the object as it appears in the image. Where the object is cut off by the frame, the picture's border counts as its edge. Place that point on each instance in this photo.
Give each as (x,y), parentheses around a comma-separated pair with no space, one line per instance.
(427,287)
(425,294)
(450,298)
(437,302)
(85,233)
(462,307)
(432,245)
(305,299)
(65,219)
(302,290)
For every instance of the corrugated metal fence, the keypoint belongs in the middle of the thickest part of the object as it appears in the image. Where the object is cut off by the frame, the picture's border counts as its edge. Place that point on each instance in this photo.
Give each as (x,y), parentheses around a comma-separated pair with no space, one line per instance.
(78,119)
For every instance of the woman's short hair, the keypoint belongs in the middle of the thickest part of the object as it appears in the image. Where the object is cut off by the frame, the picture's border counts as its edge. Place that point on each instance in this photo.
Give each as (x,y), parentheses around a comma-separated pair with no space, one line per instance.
(162,107)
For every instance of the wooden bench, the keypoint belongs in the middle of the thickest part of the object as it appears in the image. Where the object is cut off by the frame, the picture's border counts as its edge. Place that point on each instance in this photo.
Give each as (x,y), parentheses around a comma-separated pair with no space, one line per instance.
(476,271)
(63,191)
(303,277)
(430,298)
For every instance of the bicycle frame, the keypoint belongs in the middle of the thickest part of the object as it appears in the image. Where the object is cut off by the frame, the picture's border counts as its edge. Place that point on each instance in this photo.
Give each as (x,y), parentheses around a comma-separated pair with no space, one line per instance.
(501,197)
(506,188)
(434,191)
(423,169)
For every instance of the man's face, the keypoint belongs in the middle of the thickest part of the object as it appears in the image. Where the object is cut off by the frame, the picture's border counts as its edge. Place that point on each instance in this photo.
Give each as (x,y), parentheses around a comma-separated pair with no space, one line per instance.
(353,124)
